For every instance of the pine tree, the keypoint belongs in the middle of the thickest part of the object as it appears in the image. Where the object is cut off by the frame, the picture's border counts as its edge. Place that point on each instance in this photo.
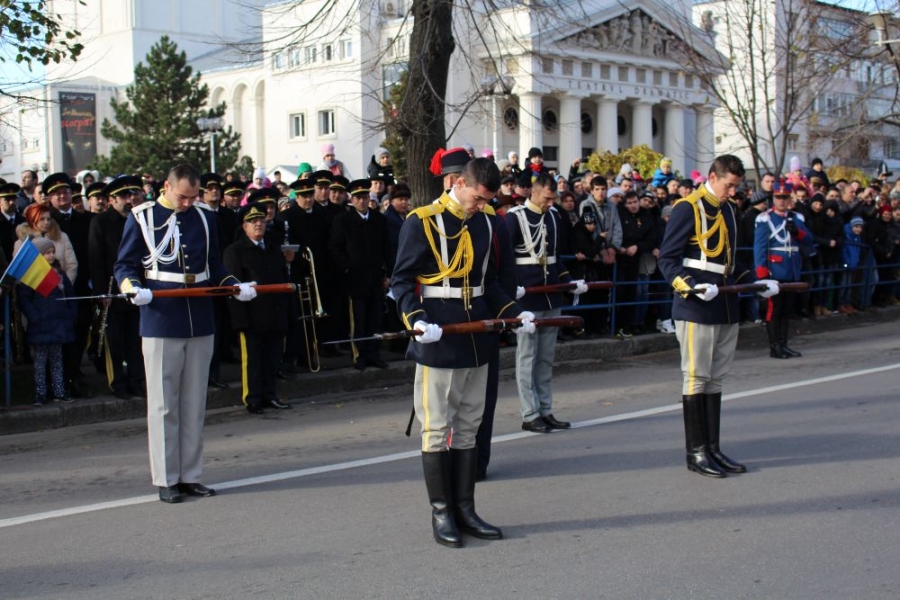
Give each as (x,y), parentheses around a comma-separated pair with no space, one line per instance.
(156,127)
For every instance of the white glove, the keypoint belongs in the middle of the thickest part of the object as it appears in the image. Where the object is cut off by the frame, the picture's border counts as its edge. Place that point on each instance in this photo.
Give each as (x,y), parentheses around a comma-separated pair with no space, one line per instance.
(520,291)
(141,296)
(772,288)
(430,332)
(580,287)
(247,291)
(710,291)
(527,318)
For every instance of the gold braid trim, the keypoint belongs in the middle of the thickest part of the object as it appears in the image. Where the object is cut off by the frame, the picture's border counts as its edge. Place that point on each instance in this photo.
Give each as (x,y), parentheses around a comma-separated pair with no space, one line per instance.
(718,226)
(463,258)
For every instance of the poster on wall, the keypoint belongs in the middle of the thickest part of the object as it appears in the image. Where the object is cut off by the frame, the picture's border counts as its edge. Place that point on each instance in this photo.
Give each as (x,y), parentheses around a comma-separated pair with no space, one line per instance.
(78,123)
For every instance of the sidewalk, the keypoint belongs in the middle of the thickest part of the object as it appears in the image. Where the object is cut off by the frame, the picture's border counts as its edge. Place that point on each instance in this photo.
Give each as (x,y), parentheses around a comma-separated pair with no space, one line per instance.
(338,376)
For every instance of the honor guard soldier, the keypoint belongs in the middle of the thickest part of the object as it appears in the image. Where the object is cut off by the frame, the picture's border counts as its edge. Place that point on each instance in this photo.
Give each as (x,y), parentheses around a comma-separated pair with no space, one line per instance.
(444,275)
(262,322)
(696,256)
(123,359)
(173,244)
(535,231)
(780,239)
(359,252)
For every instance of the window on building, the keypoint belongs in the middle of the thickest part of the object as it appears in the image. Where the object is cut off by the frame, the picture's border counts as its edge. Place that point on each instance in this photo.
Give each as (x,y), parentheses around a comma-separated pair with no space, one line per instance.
(551,153)
(297,125)
(605,72)
(346,49)
(327,53)
(568,67)
(587,123)
(657,77)
(793,141)
(673,79)
(551,121)
(511,118)
(293,57)
(512,66)
(36,143)
(892,148)
(547,65)
(24,144)
(623,73)
(689,81)
(310,55)
(326,123)
(587,70)
(278,61)
(641,75)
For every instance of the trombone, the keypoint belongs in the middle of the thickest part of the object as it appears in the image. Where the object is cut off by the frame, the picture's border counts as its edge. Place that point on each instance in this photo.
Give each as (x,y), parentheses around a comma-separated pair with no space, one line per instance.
(310,310)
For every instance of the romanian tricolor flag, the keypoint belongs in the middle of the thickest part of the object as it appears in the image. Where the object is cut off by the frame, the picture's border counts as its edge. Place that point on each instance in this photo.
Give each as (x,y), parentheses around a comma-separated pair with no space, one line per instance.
(31,268)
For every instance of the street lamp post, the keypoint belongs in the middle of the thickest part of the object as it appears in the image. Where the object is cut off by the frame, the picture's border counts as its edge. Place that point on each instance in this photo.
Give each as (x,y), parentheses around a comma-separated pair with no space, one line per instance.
(212,125)
(493,86)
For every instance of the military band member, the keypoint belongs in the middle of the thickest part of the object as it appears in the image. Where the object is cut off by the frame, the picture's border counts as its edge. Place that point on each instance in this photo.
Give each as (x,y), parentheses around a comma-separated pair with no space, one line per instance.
(780,235)
(696,256)
(96,200)
(123,360)
(262,322)
(232,194)
(172,244)
(536,234)
(444,275)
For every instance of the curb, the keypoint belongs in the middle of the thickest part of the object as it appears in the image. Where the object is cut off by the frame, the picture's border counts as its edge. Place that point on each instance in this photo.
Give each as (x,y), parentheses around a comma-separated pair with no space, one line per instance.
(308,386)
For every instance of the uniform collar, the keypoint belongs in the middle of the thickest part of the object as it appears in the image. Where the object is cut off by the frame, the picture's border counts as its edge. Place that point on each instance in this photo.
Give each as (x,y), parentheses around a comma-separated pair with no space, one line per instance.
(450,202)
(534,207)
(709,195)
(164,202)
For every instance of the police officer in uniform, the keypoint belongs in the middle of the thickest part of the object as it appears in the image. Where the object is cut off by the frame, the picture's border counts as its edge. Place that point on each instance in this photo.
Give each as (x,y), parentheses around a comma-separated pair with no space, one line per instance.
(123,340)
(262,322)
(696,256)
(779,236)
(444,275)
(536,234)
(173,244)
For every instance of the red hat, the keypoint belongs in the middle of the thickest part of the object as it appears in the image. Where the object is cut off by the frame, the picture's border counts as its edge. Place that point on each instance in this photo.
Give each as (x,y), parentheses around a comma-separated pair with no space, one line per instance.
(885,208)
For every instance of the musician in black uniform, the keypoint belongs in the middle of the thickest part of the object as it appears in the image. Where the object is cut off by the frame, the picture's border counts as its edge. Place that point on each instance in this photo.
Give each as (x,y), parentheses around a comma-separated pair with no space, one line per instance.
(360,255)
(123,319)
(10,218)
(262,322)
(451,371)
(698,253)
(58,189)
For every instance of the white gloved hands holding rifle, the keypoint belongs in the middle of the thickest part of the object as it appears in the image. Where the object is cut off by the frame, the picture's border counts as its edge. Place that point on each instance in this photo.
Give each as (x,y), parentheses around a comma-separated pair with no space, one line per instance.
(772,288)
(707,292)
(430,332)
(527,326)
(140,296)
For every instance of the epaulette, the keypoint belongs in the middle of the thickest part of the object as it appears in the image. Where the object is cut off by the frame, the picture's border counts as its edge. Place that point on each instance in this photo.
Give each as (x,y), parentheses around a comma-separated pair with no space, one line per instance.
(144,205)
(763,217)
(489,210)
(203,205)
(429,210)
(800,217)
(514,209)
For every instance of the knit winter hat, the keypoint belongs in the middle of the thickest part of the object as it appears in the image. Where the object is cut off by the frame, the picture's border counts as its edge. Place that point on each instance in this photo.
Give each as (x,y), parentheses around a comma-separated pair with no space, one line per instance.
(856,221)
(665,162)
(259,173)
(326,149)
(43,244)
(380,151)
(795,164)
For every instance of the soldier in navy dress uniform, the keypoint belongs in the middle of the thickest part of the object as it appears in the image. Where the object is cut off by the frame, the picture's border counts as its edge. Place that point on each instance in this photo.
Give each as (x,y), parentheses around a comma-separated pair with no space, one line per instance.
(173,244)
(123,361)
(696,256)
(262,322)
(779,240)
(444,274)
(536,234)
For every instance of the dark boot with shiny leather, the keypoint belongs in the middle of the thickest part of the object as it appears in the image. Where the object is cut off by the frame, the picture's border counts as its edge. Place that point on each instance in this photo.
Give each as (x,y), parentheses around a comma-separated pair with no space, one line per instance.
(465,465)
(698,458)
(713,410)
(784,328)
(777,351)
(439,481)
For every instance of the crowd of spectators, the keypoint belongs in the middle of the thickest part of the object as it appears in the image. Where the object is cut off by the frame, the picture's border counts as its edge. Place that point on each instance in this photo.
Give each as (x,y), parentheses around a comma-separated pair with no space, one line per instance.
(612,227)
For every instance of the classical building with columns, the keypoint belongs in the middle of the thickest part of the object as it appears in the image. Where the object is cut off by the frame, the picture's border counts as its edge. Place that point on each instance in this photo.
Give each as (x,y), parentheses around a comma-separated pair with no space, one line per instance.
(591,75)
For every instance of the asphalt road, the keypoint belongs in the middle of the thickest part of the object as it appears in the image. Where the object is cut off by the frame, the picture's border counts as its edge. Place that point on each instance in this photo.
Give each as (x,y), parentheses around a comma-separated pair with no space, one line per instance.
(327,500)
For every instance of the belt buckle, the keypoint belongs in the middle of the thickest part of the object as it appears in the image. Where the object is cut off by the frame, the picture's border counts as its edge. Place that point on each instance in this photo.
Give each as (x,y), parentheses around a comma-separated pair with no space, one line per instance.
(190,278)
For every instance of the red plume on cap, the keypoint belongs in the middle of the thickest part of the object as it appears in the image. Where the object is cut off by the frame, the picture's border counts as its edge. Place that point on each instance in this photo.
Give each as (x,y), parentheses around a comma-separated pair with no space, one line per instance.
(435,167)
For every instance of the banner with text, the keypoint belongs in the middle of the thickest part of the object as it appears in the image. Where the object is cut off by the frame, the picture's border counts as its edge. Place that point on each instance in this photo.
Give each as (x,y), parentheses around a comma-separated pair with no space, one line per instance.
(78,122)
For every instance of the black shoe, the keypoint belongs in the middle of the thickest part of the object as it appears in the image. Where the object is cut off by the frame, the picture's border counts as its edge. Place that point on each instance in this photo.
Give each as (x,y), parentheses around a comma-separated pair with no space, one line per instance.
(777,351)
(196,489)
(360,364)
(276,403)
(554,424)
(255,409)
(63,399)
(377,363)
(789,352)
(171,495)
(539,425)
(218,384)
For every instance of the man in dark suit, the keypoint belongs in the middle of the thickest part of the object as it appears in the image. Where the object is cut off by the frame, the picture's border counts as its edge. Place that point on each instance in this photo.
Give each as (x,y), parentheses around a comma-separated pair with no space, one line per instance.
(123,319)
(359,252)
(58,189)
(262,322)
(10,218)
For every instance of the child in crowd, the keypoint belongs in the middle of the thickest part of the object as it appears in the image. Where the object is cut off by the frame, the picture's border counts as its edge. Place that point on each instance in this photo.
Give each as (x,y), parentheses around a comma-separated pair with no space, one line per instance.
(663,174)
(50,324)
(851,252)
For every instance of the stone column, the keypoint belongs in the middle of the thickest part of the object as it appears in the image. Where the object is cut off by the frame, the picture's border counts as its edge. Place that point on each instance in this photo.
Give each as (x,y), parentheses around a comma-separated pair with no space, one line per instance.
(569,132)
(531,130)
(642,123)
(608,125)
(673,137)
(706,142)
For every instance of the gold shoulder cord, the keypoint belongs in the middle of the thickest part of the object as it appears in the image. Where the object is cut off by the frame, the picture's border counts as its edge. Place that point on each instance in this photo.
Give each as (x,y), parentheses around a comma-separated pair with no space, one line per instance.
(718,227)
(463,258)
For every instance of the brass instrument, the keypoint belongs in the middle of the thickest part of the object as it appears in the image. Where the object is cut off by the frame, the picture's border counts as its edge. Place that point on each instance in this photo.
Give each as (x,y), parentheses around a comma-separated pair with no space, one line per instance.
(310,310)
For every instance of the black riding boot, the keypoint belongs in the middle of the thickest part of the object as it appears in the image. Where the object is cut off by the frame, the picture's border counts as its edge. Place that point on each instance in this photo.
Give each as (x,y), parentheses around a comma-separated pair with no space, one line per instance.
(776,350)
(465,465)
(438,480)
(784,327)
(713,413)
(698,458)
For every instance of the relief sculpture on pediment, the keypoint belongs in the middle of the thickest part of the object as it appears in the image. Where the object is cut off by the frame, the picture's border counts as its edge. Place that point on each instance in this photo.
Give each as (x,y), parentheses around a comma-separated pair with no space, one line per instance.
(631,33)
